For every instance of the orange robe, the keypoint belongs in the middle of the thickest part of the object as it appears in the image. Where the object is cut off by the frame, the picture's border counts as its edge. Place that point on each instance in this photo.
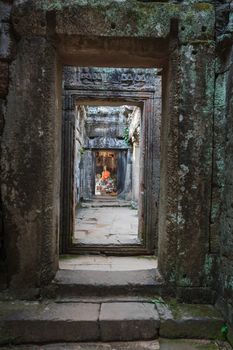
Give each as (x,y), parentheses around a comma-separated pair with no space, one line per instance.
(105,174)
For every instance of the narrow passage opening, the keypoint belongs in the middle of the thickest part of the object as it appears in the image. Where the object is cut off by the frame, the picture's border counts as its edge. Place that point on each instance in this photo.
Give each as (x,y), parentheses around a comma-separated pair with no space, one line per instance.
(107,175)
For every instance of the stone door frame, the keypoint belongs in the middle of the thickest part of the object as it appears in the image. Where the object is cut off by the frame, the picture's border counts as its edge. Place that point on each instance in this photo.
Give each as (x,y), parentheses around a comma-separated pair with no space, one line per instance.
(150,186)
(103,34)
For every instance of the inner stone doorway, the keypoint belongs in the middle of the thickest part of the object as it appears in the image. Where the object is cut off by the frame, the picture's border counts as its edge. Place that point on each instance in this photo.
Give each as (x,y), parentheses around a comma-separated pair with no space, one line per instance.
(111,165)
(108,176)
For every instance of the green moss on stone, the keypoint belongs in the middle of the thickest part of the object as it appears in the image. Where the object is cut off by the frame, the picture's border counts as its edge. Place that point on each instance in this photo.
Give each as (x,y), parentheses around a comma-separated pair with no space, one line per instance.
(52,5)
(208,264)
(192,310)
(210,346)
(172,276)
(199,42)
(203,7)
(184,282)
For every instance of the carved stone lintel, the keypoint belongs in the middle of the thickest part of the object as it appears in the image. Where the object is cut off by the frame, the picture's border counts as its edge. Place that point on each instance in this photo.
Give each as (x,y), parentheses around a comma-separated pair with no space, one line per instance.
(106,142)
(111,78)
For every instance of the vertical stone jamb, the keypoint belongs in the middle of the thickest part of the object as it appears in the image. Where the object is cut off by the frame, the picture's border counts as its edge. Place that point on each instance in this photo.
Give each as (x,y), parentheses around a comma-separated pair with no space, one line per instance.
(195,163)
(31,165)
(155,137)
(67,175)
(168,225)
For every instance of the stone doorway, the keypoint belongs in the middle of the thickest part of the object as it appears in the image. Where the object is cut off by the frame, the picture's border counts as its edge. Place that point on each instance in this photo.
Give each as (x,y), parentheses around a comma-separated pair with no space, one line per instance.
(76,34)
(107,181)
(107,154)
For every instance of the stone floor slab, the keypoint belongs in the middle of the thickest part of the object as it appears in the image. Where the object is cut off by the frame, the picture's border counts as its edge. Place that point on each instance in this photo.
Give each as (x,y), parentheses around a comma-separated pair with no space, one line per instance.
(162,344)
(112,225)
(141,345)
(128,321)
(24,322)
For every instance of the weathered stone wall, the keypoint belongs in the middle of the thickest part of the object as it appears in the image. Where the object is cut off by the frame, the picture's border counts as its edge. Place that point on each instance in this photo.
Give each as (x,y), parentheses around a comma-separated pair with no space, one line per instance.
(222,208)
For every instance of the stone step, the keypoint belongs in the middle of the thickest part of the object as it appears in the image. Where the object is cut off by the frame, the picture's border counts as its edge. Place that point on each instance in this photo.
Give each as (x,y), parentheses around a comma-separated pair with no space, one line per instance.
(52,322)
(107,283)
(23,322)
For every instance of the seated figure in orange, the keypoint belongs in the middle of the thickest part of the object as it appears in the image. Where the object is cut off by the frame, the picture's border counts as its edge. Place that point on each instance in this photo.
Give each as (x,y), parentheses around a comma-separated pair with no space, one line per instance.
(105,173)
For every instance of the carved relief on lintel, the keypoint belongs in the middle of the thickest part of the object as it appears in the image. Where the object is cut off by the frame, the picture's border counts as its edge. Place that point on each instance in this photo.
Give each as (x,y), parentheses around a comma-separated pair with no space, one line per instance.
(111,78)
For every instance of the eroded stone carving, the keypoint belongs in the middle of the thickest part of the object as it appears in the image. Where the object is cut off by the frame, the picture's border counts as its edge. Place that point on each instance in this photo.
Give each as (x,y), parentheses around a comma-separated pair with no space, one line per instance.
(110,78)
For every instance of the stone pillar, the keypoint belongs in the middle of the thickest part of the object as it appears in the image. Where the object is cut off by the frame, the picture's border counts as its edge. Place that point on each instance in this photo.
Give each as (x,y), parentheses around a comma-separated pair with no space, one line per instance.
(31,165)
(127,191)
(135,172)
(195,142)
(121,170)
(154,159)
(186,168)
(88,174)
